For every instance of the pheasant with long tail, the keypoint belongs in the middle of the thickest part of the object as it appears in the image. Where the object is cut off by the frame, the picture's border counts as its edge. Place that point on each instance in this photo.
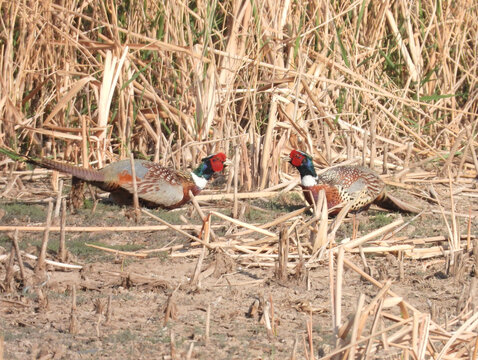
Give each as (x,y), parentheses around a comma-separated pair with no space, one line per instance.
(157,186)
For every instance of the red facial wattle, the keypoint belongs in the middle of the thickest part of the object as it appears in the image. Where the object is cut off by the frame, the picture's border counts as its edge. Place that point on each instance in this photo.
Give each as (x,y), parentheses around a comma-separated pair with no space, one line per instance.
(217,162)
(296,158)
(221,156)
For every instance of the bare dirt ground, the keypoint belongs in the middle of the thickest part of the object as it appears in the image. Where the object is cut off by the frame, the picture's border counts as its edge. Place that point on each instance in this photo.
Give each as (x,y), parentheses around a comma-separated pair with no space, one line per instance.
(144,308)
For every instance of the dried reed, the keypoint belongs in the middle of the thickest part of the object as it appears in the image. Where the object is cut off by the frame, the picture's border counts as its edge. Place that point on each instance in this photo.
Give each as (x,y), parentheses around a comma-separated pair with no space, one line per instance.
(396,90)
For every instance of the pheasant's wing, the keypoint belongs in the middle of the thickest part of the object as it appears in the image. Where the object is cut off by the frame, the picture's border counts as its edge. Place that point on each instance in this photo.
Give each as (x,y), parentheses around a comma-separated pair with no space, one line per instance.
(358,180)
(358,184)
(161,186)
(156,184)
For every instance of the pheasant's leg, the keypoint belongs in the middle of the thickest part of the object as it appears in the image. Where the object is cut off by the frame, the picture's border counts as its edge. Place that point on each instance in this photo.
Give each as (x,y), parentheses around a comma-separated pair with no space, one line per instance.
(354,227)
(93,197)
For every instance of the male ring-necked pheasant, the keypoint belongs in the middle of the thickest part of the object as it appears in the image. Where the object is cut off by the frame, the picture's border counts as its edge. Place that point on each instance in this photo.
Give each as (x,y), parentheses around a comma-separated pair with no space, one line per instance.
(157,186)
(345,183)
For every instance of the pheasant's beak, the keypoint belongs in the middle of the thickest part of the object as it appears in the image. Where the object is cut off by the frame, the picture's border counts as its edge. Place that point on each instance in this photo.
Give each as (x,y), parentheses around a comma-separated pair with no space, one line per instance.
(227,163)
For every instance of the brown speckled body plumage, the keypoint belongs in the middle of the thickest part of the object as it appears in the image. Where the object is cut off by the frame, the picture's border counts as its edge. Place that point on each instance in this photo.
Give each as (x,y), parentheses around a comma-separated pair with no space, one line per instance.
(346,183)
(157,186)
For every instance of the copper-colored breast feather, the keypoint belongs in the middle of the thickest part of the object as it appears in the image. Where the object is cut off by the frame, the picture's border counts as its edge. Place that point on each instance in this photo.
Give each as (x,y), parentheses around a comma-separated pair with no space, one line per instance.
(311,194)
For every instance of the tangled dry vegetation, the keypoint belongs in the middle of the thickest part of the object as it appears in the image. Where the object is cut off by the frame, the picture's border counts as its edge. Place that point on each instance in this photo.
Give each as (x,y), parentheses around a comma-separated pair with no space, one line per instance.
(390,84)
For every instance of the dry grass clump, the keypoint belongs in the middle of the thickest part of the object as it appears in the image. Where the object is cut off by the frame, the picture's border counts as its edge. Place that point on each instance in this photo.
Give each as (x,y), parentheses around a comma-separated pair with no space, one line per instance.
(389,84)
(173,82)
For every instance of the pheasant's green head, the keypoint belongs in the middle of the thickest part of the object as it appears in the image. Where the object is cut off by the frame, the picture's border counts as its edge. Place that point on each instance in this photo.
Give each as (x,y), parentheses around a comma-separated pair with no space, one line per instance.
(211,164)
(303,162)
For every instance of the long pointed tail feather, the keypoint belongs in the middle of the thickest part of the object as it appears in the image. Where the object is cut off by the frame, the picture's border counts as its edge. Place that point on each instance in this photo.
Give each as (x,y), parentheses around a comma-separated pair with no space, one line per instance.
(13,155)
(81,173)
(390,202)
